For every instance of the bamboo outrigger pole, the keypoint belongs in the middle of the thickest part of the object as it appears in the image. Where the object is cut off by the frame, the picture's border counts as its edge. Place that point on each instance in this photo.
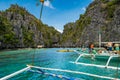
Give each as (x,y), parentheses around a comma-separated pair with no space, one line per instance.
(15,73)
(42,1)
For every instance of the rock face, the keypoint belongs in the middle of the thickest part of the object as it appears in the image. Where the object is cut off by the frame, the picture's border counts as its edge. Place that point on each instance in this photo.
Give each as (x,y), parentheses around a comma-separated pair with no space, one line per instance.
(25,29)
(19,29)
(101,17)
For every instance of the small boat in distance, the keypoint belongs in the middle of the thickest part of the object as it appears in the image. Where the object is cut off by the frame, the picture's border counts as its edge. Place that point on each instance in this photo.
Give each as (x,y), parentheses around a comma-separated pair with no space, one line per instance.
(65,50)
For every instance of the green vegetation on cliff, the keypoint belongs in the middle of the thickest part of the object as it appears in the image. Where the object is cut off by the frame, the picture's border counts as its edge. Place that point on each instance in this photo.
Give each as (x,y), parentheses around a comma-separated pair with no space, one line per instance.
(27,37)
(7,36)
(50,35)
(19,29)
(109,7)
(101,15)
(19,10)
(73,31)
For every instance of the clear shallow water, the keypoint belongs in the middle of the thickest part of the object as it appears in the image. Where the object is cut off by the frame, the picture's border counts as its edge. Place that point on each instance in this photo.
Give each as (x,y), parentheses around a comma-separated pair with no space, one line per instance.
(11,61)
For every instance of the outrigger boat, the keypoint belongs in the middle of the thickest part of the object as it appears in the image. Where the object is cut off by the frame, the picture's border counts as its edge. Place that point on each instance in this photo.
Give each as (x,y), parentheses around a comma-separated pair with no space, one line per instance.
(45,71)
(39,70)
(103,55)
(42,70)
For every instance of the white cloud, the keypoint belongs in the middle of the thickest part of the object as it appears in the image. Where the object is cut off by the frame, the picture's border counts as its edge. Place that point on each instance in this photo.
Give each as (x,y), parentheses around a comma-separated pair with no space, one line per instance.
(59,30)
(83,9)
(48,4)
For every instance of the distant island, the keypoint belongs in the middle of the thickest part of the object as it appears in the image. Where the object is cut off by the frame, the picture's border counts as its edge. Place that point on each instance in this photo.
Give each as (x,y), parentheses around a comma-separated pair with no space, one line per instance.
(20,29)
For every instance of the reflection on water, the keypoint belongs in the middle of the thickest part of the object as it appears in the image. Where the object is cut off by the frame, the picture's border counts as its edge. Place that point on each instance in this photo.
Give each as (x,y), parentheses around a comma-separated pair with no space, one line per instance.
(11,61)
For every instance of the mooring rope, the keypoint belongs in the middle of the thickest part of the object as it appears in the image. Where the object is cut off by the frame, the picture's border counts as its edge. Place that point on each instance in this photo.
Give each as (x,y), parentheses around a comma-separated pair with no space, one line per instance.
(39,71)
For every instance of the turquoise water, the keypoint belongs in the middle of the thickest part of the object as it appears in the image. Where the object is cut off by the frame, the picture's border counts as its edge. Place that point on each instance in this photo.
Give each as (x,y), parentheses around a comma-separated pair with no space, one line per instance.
(11,61)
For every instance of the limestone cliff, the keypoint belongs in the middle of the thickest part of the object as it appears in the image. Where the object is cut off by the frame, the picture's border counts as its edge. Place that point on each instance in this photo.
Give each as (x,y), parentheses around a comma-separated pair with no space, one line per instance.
(19,28)
(101,17)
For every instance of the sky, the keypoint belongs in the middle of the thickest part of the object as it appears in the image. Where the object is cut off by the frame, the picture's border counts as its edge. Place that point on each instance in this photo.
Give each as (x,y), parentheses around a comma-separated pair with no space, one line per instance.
(56,13)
